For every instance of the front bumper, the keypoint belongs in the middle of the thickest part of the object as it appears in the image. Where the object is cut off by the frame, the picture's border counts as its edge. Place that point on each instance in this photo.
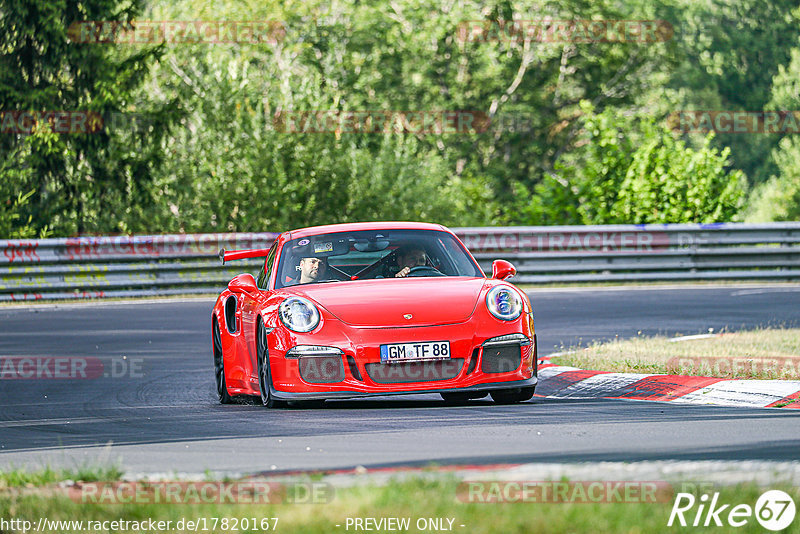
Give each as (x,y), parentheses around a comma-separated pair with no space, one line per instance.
(357,372)
(288,396)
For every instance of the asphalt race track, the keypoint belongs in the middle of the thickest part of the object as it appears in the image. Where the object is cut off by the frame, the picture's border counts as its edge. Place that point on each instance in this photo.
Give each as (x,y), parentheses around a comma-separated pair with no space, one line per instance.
(157,411)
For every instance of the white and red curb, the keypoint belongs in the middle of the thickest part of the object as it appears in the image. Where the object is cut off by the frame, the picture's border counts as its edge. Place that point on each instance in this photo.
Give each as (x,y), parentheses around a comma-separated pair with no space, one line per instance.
(563,382)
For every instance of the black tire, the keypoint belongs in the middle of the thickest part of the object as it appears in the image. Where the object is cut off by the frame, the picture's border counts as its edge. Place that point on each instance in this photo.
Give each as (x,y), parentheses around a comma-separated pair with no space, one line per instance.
(512,396)
(264,380)
(219,365)
(459,397)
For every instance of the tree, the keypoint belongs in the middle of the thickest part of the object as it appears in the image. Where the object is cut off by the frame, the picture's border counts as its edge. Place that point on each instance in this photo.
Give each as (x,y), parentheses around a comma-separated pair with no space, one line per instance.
(90,177)
(231,168)
(227,167)
(402,56)
(730,51)
(778,199)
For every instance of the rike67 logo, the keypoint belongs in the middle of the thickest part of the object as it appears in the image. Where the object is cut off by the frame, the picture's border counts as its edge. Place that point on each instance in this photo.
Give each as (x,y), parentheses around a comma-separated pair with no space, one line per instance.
(774,510)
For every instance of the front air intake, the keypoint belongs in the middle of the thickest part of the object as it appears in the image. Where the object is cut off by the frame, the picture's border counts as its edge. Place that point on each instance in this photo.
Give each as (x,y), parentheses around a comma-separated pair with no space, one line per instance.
(321,369)
(501,358)
(402,373)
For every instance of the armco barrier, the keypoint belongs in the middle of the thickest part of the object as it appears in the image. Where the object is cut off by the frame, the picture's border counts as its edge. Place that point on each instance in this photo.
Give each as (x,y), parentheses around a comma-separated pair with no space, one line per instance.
(121,266)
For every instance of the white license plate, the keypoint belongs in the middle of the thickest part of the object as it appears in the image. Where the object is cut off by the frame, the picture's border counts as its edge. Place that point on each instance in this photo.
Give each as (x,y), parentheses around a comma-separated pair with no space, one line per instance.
(426,350)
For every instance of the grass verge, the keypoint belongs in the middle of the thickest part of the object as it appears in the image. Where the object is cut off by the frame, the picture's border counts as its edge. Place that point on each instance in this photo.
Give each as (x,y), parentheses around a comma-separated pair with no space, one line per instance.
(768,354)
(21,478)
(418,499)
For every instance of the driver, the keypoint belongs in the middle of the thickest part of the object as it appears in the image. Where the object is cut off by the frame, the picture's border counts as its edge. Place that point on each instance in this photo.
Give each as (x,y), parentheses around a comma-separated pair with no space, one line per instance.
(409,258)
(311,270)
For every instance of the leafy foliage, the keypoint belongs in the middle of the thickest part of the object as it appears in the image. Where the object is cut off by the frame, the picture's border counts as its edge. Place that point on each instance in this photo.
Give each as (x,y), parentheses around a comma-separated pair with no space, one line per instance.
(575,132)
(630,170)
(81,181)
(730,51)
(778,199)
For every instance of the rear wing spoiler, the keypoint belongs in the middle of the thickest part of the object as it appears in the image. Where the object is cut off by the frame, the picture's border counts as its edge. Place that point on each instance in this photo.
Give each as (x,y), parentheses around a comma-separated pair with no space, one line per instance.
(230,255)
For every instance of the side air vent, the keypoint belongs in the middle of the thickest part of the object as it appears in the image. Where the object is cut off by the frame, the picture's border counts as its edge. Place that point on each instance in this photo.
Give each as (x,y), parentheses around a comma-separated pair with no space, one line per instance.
(230,314)
(351,362)
(473,361)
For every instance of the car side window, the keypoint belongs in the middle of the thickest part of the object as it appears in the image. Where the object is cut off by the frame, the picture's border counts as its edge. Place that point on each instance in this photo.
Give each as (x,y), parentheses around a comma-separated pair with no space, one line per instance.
(266,269)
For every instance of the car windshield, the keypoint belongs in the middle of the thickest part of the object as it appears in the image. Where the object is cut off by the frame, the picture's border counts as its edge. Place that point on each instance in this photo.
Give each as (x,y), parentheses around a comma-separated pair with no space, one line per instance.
(373,254)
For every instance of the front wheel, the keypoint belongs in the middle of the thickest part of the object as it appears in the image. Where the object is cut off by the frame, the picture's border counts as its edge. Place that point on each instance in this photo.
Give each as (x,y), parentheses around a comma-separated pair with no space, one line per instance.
(219,365)
(512,396)
(262,355)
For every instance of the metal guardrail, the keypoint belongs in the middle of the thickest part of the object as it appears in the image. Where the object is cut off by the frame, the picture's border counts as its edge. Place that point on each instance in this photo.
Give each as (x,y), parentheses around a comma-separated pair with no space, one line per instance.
(121,266)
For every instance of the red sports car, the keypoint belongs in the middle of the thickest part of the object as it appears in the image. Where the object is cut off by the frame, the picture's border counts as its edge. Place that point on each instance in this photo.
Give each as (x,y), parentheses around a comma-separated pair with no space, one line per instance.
(363,309)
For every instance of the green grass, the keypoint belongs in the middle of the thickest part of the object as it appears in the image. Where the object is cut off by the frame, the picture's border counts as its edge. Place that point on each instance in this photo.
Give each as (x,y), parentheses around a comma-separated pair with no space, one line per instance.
(770,353)
(17,478)
(420,497)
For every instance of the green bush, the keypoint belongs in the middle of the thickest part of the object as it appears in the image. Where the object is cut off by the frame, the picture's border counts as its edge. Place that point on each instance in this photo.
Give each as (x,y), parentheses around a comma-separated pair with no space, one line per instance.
(778,199)
(628,170)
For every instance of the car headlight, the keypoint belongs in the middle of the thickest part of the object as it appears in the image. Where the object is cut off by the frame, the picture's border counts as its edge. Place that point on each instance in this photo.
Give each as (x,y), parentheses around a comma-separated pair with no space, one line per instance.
(299,314)
(504,303)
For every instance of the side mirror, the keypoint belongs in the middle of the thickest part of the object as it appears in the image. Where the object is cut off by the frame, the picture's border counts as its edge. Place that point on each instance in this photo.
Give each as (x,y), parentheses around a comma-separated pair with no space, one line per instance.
(502,269)
(243,283)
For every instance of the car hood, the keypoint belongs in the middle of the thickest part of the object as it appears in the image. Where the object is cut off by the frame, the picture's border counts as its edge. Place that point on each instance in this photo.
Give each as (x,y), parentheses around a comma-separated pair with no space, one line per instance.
(386,302)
